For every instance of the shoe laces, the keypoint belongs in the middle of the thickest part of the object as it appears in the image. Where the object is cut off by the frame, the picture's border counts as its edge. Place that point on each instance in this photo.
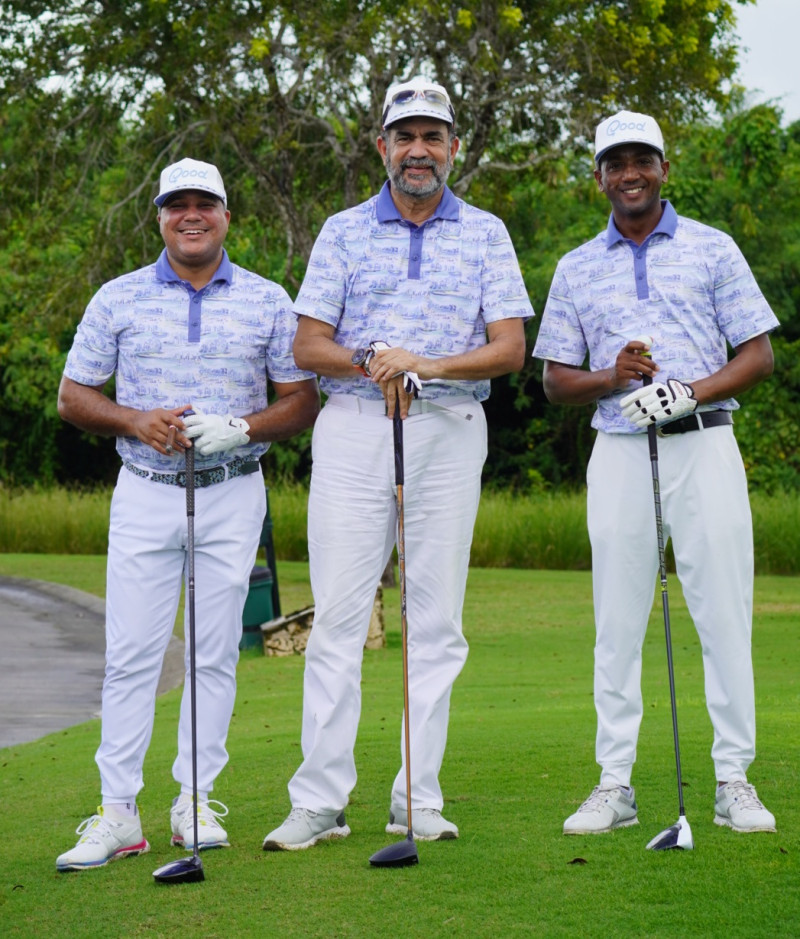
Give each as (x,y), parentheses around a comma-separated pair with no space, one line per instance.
(300,815)
(744,794)
(93,829)
(432,813)
(597,799)
(205,812)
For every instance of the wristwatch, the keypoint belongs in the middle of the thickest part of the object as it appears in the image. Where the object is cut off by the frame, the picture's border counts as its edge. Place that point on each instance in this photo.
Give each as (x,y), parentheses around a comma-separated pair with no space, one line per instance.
(361,359)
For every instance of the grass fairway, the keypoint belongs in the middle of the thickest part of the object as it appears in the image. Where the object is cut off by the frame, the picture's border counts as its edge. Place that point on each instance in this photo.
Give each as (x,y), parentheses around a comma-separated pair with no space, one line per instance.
(520,758)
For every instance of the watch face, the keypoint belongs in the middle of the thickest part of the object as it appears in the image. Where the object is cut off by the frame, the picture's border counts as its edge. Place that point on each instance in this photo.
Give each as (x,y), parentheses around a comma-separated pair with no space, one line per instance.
(359,358)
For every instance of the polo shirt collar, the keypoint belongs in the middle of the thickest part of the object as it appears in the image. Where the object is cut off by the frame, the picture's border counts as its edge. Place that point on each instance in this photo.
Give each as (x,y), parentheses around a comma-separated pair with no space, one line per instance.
(667,225)
(386,210)
(165,271)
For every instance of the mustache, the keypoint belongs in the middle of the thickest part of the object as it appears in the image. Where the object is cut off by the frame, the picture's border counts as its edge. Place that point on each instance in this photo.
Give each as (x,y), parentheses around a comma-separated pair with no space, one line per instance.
(418,163)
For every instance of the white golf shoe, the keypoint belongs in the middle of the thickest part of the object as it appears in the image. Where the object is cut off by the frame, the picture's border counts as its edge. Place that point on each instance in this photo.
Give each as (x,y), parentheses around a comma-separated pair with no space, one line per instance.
(104,837)
(304,828)
(604,810)
(210,834)
(737,805)
(426,824)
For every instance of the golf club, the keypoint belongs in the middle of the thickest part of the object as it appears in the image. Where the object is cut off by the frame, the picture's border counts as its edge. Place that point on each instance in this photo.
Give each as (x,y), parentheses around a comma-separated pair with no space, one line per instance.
(679,835)
(402,853)
(188,870)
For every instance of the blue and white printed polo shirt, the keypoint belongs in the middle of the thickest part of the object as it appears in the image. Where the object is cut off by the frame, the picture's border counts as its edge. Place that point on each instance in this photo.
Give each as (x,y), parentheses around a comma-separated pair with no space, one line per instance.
(430,288)
(688,286)
(170,344)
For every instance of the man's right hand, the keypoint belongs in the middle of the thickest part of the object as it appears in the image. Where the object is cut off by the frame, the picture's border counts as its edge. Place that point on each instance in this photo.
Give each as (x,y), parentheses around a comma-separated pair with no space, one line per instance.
(632,362)
(153,428)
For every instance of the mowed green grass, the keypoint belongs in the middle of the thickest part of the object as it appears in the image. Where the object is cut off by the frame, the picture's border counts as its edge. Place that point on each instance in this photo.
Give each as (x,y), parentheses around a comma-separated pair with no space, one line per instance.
(520,758)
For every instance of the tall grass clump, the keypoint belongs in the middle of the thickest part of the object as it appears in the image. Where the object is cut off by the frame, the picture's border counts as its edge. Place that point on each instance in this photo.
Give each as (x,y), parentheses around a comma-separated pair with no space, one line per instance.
(546,531)
(54,520)
(776,532)
(288,504)
(534,531)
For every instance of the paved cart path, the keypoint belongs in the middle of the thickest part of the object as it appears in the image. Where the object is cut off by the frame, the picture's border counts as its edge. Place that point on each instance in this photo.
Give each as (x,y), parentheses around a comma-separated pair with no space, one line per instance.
(52,658)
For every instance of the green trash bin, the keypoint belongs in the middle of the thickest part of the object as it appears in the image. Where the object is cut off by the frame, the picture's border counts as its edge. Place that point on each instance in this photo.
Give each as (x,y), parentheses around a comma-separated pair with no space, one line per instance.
(263,601)
(258,607)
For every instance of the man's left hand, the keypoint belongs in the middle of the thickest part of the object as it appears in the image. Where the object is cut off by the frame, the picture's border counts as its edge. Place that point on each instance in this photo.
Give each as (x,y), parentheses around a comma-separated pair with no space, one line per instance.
(394,391)
(656,403)
(213,433)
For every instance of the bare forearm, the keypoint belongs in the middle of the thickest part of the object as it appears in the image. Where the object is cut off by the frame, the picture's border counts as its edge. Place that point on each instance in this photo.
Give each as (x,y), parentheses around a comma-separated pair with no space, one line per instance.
(324,356)
(568,384)
(90,410)
(291,412)
(564,384)
(503,353)
(752,363)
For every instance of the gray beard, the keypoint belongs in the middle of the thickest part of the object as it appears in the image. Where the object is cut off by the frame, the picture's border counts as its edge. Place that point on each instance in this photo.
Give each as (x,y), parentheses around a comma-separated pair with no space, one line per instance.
(440,173)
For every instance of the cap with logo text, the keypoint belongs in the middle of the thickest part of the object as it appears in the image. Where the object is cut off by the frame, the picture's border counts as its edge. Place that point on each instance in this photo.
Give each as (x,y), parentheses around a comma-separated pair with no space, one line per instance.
(190,174)
(627,127)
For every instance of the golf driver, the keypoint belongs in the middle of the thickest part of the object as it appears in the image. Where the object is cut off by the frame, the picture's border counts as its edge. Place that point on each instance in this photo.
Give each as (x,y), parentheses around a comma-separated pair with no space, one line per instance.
(402,853)
(188,870)
(678,835)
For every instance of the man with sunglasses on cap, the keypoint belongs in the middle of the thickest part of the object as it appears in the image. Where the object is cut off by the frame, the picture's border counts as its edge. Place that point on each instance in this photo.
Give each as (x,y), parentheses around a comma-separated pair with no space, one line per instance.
(191,331)
(412,299)
(662,296)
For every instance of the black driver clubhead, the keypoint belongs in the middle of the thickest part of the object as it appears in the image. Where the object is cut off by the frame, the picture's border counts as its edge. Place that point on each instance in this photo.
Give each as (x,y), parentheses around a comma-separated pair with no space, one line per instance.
(400,854)
(676,838)
(184,871)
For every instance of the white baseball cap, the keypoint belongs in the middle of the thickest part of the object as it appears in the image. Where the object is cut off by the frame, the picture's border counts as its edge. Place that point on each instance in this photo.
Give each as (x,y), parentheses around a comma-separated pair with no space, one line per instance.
(417,97)
(627,127)
(190,174)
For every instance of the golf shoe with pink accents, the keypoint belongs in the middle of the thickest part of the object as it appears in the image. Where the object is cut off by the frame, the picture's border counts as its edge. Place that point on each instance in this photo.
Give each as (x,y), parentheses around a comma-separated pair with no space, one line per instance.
(104,837)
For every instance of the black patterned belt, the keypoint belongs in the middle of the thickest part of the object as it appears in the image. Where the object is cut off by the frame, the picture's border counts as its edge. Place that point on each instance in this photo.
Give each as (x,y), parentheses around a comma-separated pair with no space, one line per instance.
(696,421)
(202,478)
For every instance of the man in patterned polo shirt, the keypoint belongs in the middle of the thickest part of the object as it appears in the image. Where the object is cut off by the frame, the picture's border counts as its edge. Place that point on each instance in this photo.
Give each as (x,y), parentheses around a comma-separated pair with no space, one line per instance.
(192,331)
(656,281)
(414,282)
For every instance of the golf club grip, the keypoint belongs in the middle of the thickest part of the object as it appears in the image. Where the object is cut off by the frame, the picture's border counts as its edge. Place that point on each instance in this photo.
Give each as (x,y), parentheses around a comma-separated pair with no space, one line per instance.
(189,456)
(652,437)
(399,472)
(190,481)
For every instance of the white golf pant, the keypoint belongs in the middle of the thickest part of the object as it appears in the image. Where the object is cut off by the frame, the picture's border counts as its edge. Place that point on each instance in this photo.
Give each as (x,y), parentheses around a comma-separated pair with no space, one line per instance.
(147,561)
(705,508)
(352,522)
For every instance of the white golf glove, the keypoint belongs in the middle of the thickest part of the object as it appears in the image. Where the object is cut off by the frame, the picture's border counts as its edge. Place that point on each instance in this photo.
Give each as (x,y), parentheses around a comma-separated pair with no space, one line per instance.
(653,404)
(411,383)
(213,433)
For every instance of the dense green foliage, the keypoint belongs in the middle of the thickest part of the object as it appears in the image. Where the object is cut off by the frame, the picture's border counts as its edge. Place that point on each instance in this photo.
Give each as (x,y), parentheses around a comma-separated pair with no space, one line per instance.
(285,97)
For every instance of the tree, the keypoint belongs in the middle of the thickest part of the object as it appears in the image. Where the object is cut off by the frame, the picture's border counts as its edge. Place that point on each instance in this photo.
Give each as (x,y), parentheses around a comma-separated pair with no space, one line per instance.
(285,96)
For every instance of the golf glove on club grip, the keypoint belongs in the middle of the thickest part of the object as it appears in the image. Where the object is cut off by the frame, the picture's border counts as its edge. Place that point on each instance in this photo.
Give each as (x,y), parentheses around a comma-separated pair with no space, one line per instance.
(213,433)
(411,383)
(658,402)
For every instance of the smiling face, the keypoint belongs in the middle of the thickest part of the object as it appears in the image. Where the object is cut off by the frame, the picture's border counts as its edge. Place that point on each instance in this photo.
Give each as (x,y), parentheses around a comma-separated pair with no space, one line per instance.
(631,176)
(193,225)
(418,154)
